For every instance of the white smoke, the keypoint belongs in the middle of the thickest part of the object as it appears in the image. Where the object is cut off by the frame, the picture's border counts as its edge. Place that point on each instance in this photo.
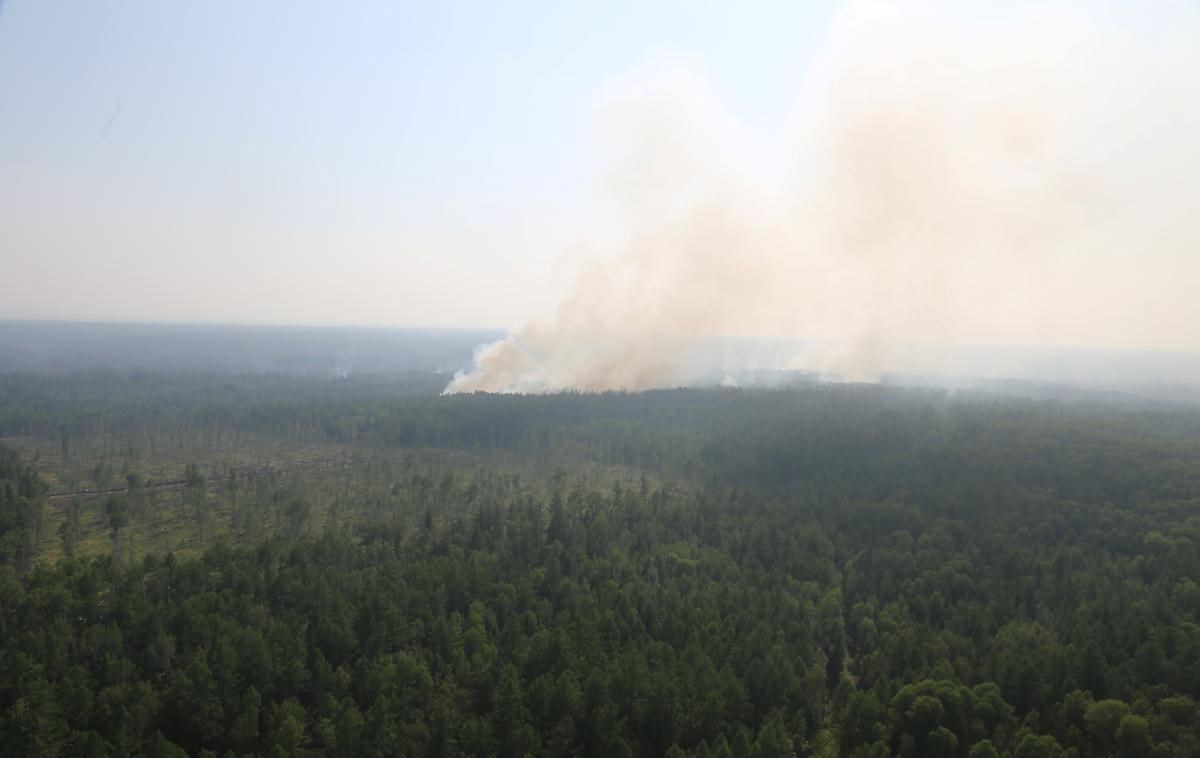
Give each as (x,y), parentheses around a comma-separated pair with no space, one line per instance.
(964,174)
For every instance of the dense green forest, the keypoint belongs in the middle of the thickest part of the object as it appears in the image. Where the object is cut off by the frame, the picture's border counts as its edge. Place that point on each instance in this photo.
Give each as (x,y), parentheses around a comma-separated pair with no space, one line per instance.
(317,565)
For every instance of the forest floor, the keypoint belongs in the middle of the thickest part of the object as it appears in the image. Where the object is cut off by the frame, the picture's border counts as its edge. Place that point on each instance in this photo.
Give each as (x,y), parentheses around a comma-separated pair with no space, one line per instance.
(336,483)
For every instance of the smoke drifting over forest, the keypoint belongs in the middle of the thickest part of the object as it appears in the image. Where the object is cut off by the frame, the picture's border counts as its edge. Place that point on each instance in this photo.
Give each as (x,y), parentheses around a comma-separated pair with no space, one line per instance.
(957,176)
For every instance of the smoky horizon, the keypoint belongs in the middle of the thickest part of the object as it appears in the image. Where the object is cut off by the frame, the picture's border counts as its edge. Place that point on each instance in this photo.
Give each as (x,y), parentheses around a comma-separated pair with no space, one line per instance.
(635,198)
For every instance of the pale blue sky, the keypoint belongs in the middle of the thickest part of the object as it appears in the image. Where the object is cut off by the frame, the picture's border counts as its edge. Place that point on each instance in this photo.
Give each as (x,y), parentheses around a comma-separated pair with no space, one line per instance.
(379,163)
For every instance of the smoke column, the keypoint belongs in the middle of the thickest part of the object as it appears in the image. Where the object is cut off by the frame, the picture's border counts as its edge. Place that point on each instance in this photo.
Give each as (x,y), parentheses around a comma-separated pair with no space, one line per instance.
(961,174)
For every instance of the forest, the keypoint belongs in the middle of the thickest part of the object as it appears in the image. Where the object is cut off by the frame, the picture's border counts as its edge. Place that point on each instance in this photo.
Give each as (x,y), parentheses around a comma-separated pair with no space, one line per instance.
(310,564)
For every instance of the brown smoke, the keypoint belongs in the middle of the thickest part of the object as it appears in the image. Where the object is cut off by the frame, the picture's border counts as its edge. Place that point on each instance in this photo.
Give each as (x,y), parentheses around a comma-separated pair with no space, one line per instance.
(963,175)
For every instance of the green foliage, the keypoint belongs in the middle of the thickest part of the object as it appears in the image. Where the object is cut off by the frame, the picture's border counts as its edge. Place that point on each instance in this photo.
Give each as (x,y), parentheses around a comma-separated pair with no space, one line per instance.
(854,571)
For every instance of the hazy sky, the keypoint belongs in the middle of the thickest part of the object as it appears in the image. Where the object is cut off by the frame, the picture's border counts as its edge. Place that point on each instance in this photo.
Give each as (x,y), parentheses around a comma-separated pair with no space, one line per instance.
(314,162)
(614,183)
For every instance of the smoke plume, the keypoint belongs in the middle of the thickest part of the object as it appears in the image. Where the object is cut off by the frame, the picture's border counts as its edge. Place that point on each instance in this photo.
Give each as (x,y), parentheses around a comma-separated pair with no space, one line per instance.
(960,174)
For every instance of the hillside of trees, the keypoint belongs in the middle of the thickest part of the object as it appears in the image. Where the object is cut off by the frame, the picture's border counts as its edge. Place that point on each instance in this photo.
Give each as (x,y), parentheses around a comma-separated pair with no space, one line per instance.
(372,569)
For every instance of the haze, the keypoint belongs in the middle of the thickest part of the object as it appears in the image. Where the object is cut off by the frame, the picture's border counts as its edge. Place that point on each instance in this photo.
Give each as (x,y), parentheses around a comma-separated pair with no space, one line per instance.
(304,162)
(863,188)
